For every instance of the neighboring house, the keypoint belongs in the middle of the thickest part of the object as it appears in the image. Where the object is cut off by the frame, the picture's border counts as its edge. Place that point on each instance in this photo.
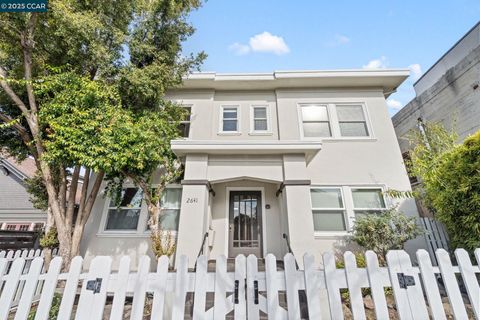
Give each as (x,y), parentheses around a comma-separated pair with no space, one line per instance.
(449,92)
(300,153)
(16,211)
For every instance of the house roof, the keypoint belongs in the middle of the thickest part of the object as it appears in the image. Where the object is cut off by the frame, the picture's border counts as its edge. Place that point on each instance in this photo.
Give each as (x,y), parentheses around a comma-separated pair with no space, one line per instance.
(24,169)
(387,79)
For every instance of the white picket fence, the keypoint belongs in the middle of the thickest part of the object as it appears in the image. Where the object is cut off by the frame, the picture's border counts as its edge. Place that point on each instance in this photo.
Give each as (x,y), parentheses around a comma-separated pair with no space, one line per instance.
(245,293)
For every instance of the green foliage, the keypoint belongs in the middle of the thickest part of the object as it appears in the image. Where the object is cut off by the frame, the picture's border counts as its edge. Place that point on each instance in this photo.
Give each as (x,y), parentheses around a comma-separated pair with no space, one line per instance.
(54,308)
(385,231)
(38,194)
(50,239)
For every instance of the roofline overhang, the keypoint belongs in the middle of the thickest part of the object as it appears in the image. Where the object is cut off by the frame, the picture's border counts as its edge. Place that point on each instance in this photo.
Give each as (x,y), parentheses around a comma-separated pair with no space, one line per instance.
(261,147)
(385,79)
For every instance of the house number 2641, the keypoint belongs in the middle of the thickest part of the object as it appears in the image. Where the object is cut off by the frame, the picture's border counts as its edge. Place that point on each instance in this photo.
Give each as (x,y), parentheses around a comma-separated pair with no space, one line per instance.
(192,200)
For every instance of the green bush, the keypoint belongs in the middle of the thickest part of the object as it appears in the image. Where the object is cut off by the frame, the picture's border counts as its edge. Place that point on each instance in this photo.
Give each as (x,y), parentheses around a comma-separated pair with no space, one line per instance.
(384,231)
(54,308)
(49,239)
(453,190)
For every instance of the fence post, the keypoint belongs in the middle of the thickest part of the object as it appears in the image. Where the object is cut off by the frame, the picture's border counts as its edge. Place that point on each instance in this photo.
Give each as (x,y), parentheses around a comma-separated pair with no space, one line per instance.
(159,289)
(240,307)
(312,287)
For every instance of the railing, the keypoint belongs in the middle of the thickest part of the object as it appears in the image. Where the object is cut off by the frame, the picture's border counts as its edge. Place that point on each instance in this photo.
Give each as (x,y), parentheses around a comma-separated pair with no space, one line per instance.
(246,292)
(202,247)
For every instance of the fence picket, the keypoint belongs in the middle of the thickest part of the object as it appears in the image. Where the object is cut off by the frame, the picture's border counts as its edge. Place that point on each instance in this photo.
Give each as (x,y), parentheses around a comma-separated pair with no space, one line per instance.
(292,286)
(470,279)
(312,287)
(220,305)
(356,279)
(160,288)
(48,290)
(253,310)
(120,289)
(140,288)
(431,286)
(200,297)
(10,287)
(181,283)
(91,304)
(70,290)
(240,309)
(378,280)
(29,289)
(273,286)
(451,284)
(333,285)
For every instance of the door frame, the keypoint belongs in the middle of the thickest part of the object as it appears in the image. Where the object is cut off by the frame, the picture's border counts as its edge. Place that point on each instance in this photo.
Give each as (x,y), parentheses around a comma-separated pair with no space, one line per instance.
(227,216)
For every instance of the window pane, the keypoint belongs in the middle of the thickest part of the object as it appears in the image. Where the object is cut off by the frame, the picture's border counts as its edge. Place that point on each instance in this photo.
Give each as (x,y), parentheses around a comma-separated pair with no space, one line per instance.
(188,113)
(171,198)
(184,129)
(362,213)
(368,198)
(130,197)
(326,198)
(314,113)
(316,129)
(350,113)
(229,125)
(260,125)
(229,113)
(169,219)
(122,219)
(329,221)
(353,129)
(260,112)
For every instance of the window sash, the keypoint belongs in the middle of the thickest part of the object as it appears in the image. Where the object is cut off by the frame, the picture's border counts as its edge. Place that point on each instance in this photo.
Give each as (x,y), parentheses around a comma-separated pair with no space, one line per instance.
(260,122)
(229,116)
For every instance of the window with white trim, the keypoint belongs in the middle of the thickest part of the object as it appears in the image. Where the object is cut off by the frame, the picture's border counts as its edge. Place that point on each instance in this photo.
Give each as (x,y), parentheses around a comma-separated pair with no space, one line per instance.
(170,209)
(315,121)
(125,215)
(229,119)
(351,121)
(260,121)
(328,209)
(184,126)
(367,201)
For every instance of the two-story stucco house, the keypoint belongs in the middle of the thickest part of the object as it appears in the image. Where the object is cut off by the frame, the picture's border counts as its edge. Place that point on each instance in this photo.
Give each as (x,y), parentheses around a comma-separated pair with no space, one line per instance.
(300,153)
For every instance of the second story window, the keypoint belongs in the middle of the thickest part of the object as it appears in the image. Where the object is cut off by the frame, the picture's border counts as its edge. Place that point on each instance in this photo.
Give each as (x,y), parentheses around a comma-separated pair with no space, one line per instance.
(260,121)
(351,121)
(229,119)
(315,121)
(184,126)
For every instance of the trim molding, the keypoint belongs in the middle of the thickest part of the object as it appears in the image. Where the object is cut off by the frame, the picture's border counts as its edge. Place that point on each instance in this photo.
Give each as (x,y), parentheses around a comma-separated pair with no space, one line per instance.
(199,182)
(292,183)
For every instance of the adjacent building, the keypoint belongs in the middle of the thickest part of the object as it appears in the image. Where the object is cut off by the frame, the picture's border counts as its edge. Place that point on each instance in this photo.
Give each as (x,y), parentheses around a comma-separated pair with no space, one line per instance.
(294,153)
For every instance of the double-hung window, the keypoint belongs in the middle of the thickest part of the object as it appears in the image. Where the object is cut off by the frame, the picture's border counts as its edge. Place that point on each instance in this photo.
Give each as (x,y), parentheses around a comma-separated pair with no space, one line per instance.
(328,209)
(351,120)
(124,216)
(260,123)
(367,201)
(230,119)
(315,121)
(170,203)
(184,126)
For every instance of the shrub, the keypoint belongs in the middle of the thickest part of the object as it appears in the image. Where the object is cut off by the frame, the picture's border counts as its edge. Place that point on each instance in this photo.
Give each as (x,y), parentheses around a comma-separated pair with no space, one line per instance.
(385,231)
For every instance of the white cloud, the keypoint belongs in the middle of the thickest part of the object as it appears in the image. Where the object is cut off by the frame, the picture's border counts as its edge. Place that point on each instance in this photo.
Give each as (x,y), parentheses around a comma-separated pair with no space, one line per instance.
(262,42)
(239,49)
(267,42)
(415,70)
(338,40)
(394,104)
(380,63)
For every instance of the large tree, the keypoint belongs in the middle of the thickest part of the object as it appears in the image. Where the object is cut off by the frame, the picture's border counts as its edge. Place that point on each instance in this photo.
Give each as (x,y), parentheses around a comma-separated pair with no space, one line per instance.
(78,83)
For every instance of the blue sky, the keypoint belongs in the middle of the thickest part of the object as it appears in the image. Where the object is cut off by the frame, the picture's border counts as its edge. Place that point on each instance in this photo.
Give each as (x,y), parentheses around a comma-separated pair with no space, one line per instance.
(263,36)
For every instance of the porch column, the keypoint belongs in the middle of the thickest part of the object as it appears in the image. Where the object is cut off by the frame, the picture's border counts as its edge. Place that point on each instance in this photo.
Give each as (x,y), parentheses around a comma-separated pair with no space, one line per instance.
(297,202)
(194,207)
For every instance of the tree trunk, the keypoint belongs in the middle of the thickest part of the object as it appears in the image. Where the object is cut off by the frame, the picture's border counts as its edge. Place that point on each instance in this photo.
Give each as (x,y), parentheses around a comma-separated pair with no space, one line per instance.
(47,252)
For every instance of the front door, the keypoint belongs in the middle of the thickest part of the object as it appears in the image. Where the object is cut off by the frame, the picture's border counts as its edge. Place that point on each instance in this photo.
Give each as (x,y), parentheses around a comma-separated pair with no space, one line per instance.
(245,223)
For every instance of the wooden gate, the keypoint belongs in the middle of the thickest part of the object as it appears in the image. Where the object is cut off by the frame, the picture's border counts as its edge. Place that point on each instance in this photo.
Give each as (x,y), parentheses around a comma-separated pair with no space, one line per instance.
(245,293)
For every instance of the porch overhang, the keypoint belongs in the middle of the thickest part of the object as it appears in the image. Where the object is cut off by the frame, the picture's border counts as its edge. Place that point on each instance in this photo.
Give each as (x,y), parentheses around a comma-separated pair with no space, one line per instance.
(260,147)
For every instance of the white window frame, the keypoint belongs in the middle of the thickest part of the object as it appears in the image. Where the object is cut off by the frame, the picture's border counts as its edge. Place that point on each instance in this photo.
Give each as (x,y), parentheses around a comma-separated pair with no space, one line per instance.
(220,123)
(334,123)
(172,232)
(189,121)
(300,118)
(141,231)
(343,209)
(252,120)
(348,205)
(382,191)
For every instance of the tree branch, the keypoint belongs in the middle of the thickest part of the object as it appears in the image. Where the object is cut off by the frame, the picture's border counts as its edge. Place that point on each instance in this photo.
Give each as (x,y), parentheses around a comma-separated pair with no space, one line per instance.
(24,134)
(9,91)
(28,44)
(72,195)
(83,195)
(91,198)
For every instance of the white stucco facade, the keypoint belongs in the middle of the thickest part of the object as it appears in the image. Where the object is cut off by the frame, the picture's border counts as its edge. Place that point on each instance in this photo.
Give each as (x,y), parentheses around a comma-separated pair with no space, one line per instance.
(277,167)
